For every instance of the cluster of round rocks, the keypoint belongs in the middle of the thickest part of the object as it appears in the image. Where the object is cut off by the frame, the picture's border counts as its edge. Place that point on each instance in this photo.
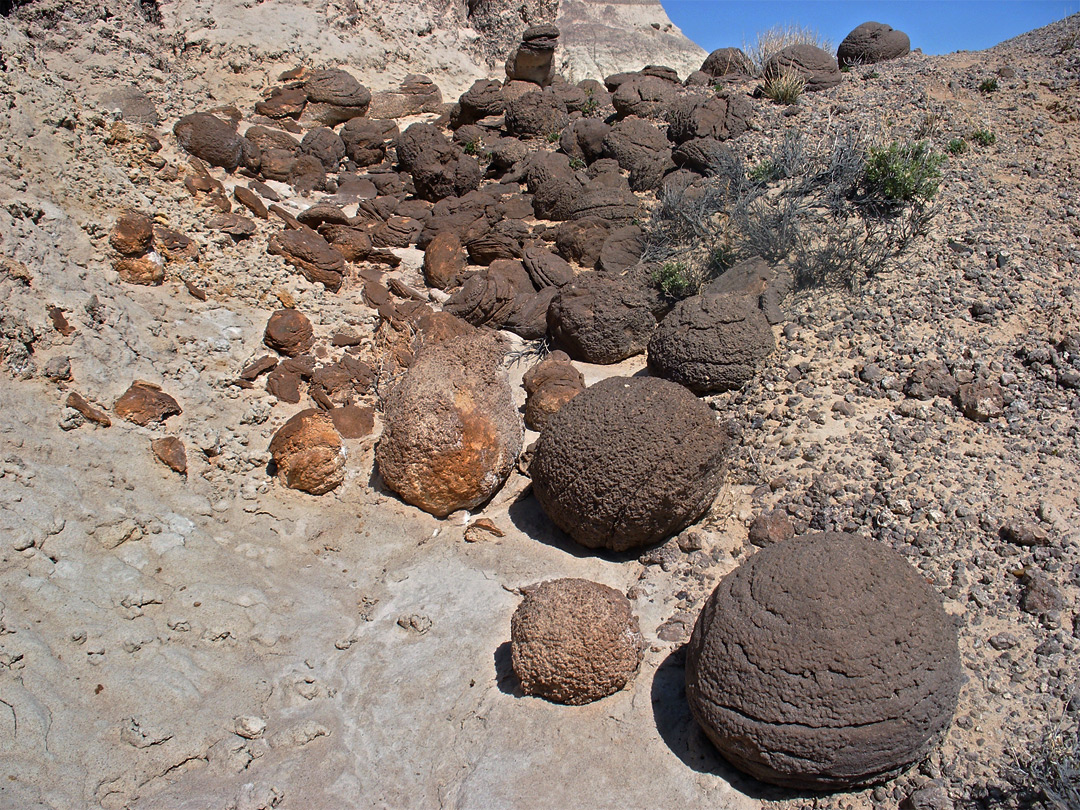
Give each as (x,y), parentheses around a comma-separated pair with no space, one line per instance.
(821,662)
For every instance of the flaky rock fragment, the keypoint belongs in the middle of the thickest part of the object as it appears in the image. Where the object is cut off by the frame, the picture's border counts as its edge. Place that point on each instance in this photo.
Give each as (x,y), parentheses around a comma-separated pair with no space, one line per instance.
(170,452)
(311,254)
(824,662)
(629,461)
(452,434)
(574,641)
(145,402)
(308,453)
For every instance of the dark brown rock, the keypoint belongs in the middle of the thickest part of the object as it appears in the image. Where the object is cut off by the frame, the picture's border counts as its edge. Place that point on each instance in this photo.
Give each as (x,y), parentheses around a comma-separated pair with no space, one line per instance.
(599,319)
(555,187)
(133,234)
(759,281)
(311,254)
(612,474)
(325,146)
(308,453)
(289,332)
(641,149)
(549,385)
(584,139)
(770,528)
(267,138)
(533,61)
(283,102)
(236,225)
(170,452)
(644,96)
(251,201)
(174,246)
(622,250)
(544,267)
(537,113)
(727,62)
(817,67)
(452,434)
(485,98)
(88,411)
(872,42)
(581,240)
(718,116)
(439,169)
(801,680)
(416,94)
(491,296)
(334,97)
(353,421)
(144,403)
(929,379)
(444,261)
(366,140)
(574,641)
(209,138)
(712,342)
(982,400)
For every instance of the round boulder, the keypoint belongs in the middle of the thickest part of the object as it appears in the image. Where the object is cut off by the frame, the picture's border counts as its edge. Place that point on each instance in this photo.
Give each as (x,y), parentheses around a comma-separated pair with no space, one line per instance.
(574,641)
(641,149)
(549,385)
(817,67)
(309,453)
(711,342)
(601,319)
(872,42)
(289,332)
(536,113)
(209,138)
(452,433)
(628,462)
(727,62)
(824,662)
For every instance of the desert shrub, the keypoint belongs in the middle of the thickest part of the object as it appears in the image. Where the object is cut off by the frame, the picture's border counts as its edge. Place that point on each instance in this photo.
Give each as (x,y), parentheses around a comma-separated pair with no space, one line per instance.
(903,173)
(834,212)
(768,42)
(984,137)
(988,85)
(591,106)
(472,147)
(577,163)
(674,280)
(957,146)
(553,137)
(784,88)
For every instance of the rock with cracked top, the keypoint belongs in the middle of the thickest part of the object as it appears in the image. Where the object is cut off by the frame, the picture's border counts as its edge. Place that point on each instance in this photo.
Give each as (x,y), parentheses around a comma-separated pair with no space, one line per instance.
(824,662)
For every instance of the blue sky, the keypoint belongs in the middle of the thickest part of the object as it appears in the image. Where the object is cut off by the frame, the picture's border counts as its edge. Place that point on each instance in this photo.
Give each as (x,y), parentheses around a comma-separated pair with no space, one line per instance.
(936,27)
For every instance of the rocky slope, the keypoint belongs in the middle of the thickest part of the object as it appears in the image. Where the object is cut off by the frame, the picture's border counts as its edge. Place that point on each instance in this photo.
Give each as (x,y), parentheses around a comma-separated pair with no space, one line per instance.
(219,640)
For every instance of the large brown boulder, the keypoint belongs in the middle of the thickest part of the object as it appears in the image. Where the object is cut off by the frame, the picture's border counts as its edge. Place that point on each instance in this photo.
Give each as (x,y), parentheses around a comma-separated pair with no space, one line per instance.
(326,146)
(366,140)
(283,102)
(574,641)
(311,254)
(584,139)
(599,319)
(581,240)
(309,453)
(439,168)
(872,42)
(416,94)
(267,138)
(644,96)
(444,260)
(555,187)
(824,662)
(209,138)
(711,342)
(727,62)
(713,116)
(533,59)
(452,434)
(334,97)
(628,462)
(544,267)
(485,98)
(641,149)
(536,114)
(817,67)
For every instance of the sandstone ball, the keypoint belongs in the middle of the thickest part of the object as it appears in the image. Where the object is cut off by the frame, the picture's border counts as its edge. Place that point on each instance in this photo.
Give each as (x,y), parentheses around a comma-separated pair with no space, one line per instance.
(574,641)
(628,462)
(824,662)
(309,453)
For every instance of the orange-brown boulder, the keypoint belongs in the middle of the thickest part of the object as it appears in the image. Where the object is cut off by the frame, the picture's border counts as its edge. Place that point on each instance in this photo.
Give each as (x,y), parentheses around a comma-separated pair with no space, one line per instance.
(444,260)
(308,453)
(133,234)
(146,270)
(452,434)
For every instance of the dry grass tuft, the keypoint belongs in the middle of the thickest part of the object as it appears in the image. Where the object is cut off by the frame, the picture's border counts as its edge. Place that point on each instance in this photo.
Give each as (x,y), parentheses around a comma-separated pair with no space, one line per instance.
(784,88)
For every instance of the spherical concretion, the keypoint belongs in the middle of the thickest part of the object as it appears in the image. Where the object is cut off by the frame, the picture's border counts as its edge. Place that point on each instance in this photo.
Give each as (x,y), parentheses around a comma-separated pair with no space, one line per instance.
(823,662)
(628,462)
(711,342)
(574,641)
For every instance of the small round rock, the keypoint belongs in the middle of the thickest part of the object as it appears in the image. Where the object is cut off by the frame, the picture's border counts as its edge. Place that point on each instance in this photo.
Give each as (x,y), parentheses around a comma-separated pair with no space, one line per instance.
(574,641)
(824,662)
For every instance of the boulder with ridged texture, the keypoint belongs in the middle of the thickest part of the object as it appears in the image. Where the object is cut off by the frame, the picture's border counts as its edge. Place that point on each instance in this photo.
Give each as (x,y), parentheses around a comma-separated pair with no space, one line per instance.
(628,462)
(824,662)
(872,42)
(452,434)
